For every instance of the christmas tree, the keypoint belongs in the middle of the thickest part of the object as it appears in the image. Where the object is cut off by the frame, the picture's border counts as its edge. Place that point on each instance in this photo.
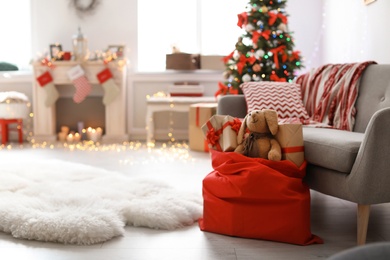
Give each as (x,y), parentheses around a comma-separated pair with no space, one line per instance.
(265,51)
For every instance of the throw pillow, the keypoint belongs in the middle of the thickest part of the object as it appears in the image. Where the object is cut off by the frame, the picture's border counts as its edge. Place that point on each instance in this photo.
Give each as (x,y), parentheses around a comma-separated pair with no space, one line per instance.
(283,97)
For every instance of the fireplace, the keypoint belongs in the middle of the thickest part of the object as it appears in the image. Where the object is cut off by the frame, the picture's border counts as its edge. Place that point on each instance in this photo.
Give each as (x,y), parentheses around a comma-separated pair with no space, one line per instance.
(91,112)
(45,118)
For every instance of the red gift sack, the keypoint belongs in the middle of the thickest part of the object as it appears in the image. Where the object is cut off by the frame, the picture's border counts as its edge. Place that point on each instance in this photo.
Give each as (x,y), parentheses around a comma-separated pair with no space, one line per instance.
(257,198)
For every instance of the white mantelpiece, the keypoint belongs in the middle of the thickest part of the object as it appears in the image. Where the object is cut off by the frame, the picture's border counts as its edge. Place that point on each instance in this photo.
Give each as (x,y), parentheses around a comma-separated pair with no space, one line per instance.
(115,112)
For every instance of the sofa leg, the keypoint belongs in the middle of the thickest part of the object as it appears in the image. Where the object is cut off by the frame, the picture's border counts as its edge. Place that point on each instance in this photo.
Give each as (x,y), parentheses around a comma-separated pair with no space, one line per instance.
(363,214)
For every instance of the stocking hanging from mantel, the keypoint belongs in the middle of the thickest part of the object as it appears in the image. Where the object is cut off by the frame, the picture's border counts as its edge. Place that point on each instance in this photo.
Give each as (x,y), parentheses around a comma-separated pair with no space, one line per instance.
(111,90)
(81,83)
(45,80)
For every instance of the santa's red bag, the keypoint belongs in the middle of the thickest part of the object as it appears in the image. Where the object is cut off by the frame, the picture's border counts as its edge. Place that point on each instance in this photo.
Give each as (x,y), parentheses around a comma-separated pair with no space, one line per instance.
(257,198)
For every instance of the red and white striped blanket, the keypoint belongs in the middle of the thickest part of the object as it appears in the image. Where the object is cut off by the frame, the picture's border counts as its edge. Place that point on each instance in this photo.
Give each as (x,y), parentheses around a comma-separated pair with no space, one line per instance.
(329,94)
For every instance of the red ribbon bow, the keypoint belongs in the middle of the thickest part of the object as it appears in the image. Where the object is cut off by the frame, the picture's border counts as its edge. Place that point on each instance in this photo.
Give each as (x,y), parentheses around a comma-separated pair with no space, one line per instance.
(212,136)
(235,125)
(273,17)
(223,90)
(276,51)
(275,77)
(242,19)
(294,55)
(233,91)
(256,35)
(227,58)
(243,60)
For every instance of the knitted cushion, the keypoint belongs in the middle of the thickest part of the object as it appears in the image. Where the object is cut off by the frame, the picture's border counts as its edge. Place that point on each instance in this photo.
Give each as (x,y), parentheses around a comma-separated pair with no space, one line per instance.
(283,97)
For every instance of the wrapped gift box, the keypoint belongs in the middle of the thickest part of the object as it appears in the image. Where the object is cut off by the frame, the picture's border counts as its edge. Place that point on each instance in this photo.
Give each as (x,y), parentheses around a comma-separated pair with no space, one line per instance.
(221,132)
(182,61)
(212,132)
(198,115)
(290,138)
(230,128)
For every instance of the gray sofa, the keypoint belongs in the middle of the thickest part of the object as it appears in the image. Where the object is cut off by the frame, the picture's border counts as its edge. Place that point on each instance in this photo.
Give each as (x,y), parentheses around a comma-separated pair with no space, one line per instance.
(354,166)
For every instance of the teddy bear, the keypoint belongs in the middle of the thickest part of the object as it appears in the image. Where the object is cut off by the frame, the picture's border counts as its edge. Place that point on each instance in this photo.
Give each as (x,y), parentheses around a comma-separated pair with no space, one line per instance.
(260,143)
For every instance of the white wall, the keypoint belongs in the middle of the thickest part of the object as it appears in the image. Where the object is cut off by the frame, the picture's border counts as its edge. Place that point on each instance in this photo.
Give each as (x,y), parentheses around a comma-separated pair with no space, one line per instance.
(356,32)
(114,22)
(305,21)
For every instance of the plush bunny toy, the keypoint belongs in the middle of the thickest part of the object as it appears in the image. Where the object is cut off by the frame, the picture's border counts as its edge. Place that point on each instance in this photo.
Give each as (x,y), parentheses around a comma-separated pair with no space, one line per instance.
(262,126)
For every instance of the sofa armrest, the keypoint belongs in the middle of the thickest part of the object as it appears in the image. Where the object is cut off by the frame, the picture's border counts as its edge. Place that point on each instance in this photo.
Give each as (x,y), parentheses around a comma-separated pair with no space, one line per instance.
(369,179)
(232,105)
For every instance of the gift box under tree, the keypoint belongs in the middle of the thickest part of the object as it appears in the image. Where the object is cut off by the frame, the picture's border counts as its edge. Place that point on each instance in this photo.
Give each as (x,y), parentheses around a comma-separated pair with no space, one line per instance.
(198,115)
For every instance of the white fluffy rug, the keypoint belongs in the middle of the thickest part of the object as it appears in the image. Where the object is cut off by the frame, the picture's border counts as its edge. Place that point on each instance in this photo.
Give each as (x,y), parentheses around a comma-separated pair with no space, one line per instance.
(78,204)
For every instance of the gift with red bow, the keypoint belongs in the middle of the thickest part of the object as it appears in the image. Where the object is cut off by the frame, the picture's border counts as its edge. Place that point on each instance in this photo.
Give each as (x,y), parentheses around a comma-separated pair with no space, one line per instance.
(290,138)
(221,131)
(199,113)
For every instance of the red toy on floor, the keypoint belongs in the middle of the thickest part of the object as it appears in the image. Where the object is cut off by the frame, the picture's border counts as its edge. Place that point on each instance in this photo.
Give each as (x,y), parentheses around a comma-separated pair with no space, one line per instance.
(4,128)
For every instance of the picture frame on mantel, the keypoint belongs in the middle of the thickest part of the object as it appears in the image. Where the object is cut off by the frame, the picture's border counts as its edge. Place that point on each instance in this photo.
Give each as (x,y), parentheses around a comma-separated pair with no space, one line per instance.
(367,2)
(56,51)
(118,50)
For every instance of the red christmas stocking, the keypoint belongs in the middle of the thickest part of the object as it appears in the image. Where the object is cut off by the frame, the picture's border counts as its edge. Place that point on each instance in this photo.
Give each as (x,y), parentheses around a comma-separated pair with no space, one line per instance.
(81,83)
(111,90)
(46,81)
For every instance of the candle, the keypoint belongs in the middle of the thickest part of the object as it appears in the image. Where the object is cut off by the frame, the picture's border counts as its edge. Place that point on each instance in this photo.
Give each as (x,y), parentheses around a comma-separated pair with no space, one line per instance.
(89,131)
(80,126)
(69,138)
(62,136)
(84,134)
(76,137)
(94,134)
(65,129)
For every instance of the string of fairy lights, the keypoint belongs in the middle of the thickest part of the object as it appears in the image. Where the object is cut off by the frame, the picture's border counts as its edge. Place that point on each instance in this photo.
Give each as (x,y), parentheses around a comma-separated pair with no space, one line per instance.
(163,153)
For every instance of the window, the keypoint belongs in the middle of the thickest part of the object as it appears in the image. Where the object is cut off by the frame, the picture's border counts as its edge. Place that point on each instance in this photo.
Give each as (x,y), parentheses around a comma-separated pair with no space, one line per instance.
(194,26)
(15,21)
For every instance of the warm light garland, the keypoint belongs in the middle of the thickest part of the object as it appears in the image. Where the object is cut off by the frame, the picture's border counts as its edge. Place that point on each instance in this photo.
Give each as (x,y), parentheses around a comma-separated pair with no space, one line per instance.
(159,153)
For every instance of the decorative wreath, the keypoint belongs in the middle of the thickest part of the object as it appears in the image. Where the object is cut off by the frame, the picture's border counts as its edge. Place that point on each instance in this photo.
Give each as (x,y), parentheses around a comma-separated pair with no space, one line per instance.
(85,6)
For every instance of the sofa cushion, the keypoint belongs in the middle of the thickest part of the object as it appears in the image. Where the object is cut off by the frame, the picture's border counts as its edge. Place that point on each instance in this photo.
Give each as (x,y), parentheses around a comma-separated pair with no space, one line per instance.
(331,148)
(283,97)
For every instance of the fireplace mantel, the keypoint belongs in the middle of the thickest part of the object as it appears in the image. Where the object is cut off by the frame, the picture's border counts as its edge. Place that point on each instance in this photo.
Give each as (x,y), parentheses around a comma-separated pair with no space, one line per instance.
(115,118)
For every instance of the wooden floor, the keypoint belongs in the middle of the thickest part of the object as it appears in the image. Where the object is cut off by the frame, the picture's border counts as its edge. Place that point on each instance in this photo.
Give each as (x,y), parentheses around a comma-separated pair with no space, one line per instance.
(333,220)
